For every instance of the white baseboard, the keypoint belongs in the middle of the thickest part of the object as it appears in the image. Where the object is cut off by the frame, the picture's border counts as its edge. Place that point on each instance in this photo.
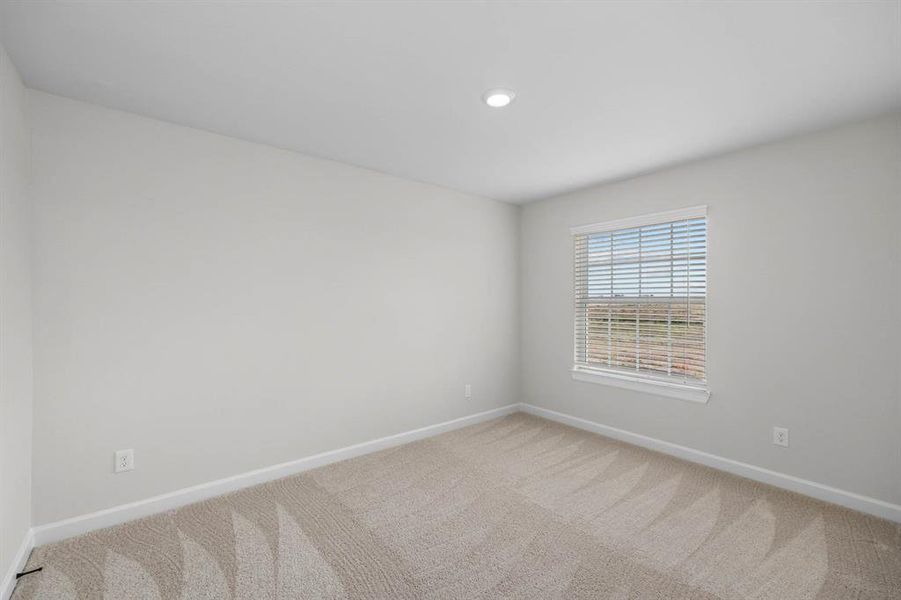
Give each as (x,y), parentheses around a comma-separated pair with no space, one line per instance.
(865,504)
(60,530)
(18,564)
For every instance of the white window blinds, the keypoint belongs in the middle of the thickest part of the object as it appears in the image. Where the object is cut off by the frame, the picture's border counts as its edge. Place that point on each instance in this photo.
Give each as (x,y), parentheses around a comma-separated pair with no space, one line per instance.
(641,297)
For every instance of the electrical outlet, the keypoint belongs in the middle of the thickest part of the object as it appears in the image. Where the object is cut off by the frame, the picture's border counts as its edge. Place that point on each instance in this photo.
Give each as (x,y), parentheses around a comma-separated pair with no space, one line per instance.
(467,391)
(780,436)
(125,460)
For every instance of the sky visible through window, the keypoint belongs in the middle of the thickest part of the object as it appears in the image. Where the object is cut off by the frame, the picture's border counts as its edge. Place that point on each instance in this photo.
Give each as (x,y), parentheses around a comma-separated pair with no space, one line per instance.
(668,260)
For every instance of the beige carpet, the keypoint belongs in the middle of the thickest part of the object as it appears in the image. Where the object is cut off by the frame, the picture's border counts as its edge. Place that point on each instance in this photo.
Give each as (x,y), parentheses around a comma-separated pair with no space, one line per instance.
(518,507)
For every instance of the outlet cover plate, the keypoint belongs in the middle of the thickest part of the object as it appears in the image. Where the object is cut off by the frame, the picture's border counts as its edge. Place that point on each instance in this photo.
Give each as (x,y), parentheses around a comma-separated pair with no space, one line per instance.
(780,436)
(125,460)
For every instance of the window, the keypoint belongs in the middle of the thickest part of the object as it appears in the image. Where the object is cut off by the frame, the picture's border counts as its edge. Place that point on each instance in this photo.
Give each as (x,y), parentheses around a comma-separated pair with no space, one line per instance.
(641,303)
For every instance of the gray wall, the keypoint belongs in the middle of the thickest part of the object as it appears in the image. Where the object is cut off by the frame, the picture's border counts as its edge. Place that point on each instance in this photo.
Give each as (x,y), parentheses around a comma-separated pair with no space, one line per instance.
(221,306)
(15,316)
(803,306)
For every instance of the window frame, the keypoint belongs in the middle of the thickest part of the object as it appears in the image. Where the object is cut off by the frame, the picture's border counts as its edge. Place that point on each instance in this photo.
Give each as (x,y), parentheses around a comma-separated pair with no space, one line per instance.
(644,382)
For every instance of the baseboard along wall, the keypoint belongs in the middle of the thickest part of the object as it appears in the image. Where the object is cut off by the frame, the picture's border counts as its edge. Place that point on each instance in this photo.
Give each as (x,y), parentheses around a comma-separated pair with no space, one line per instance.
(66,528)
(859,502)
(60,530)
(9,579)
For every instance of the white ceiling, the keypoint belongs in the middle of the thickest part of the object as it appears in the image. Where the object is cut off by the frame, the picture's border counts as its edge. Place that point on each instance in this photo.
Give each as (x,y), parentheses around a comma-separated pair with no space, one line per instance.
(605,89)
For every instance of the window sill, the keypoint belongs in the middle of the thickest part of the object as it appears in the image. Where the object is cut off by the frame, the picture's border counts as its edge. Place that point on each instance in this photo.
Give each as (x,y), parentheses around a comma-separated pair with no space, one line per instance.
(649,386)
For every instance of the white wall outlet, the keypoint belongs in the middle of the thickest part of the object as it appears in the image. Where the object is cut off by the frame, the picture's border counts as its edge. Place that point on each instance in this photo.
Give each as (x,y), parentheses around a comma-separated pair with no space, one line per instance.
(780,436)
(125,460)
(467,391)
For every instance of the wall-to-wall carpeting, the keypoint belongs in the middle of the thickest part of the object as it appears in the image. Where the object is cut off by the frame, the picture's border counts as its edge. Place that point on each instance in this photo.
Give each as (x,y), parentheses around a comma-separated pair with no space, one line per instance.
(518,507)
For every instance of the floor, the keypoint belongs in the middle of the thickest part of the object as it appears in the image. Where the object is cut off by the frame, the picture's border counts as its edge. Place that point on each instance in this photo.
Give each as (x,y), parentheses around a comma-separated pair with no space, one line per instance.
(517,507)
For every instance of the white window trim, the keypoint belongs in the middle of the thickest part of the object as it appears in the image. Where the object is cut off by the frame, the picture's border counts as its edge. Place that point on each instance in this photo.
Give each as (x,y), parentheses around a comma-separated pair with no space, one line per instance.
(643,383)
(693,212)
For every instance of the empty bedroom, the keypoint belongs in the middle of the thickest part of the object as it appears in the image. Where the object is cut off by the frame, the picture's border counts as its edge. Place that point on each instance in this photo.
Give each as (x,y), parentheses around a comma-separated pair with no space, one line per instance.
(450,300)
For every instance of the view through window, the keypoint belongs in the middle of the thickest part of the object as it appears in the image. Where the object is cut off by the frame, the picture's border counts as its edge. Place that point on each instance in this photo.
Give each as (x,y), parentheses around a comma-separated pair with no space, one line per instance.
(641,298)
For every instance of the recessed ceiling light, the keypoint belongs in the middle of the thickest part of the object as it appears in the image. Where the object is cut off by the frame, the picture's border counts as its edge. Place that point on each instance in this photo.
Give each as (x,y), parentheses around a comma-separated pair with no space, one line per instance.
(498,98)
